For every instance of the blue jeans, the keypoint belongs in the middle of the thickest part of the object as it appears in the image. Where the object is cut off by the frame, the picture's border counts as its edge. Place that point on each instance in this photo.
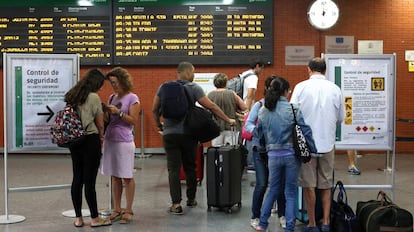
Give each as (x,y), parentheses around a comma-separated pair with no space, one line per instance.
(262,174)
(250,158)
(289,166)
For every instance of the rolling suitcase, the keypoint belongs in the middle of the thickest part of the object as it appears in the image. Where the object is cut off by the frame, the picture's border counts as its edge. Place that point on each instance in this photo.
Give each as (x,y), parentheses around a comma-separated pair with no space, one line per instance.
(224,177)
(199,165)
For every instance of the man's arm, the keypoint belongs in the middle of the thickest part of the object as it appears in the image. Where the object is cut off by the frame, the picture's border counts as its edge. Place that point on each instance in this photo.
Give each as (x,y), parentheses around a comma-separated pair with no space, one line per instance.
(208,104)
(156,111)
(250,98)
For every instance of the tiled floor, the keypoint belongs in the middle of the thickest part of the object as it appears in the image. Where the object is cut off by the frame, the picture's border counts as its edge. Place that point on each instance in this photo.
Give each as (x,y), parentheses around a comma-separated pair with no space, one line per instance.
(43,209)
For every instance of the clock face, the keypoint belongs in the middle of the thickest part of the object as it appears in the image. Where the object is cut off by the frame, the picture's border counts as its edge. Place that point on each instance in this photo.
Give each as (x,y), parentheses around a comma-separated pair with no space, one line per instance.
(323,14)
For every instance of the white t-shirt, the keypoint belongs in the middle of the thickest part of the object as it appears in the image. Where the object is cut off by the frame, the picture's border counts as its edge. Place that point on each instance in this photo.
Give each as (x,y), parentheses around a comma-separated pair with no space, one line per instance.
(321,103)
(250,82)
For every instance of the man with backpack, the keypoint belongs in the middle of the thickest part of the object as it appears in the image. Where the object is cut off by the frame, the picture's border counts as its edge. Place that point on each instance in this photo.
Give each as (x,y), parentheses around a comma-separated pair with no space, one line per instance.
(179,145)
(249,90)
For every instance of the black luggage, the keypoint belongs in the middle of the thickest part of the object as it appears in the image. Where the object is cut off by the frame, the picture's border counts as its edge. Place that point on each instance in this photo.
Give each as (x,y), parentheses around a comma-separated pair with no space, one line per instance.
(224,177)
(383,215)
(343,218)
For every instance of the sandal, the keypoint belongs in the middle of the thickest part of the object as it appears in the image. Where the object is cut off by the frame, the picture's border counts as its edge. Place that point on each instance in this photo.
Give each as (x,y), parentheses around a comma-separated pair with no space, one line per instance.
(115,216)
(78,222)
(101,222)
(126,217)
(78,225)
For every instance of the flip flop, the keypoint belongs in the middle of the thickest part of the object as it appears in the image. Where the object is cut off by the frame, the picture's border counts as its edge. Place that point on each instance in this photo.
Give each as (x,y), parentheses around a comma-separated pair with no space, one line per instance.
(102,222)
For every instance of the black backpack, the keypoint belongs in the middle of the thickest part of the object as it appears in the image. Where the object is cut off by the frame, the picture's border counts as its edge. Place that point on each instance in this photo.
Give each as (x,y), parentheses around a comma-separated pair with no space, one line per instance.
(173,98)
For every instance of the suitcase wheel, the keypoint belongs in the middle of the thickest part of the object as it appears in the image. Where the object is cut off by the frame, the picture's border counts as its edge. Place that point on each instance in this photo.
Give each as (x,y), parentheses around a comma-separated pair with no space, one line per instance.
(229,210)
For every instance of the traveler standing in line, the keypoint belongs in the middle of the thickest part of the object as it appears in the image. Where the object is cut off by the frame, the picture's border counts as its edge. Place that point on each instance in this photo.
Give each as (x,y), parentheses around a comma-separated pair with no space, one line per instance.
(87,155)
(249,91)
(260,165)
(321,103)
(231,104)
(119,147)
(274,131)
(180,146)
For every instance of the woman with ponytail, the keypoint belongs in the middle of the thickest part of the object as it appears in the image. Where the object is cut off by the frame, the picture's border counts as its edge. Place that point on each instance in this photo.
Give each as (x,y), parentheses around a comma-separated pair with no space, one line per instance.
(275,127)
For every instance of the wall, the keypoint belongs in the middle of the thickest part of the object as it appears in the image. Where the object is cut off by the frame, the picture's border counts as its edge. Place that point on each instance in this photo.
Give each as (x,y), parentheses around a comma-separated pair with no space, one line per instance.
(364,19)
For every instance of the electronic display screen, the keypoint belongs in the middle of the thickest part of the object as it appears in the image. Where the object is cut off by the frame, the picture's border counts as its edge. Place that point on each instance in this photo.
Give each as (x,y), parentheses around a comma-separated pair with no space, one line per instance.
(58,26)
(140,32)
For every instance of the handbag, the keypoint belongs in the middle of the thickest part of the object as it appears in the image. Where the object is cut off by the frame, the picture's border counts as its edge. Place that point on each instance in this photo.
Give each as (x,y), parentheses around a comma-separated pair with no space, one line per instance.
(300,146)
(201,125)
(343,218)
(246,134)
(383,215)
(199,122)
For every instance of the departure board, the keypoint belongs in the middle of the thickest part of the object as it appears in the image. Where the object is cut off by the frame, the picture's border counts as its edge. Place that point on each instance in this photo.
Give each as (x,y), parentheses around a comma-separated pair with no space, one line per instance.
(200,31)
(58,26)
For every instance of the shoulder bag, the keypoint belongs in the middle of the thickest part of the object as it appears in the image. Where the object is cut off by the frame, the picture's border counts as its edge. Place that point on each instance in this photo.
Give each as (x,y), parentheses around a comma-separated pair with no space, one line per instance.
(199,123)
(343,218)
(302,151)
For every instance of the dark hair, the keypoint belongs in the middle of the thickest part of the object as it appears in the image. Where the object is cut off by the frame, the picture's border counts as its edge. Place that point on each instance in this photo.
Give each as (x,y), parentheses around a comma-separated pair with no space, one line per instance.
(267,83)
(277,88)
(220,80)
(256,61)
(124,78)
(92,81)
(317,64)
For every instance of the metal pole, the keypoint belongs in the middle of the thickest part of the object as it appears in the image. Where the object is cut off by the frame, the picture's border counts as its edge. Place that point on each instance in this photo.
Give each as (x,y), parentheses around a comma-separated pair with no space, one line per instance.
(108,211)
(142,155)
(388,167)
(7,219)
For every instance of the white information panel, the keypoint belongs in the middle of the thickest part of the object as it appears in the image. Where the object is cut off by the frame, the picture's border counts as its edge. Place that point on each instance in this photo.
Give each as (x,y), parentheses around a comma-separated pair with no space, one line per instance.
(35,88)
(368,87)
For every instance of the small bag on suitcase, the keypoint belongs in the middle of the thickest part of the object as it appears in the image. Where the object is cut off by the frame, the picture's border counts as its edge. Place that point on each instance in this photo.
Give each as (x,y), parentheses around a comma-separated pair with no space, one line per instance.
(383,215)
(199,165)
(224,177)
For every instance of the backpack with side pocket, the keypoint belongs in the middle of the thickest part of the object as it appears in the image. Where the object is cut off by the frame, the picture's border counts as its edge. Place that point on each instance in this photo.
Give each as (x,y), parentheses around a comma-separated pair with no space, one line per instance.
(173,99)
(67,130)
(236,84)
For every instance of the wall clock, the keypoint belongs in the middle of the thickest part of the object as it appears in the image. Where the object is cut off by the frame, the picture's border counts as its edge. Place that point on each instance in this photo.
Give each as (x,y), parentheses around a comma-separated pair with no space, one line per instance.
(323,14)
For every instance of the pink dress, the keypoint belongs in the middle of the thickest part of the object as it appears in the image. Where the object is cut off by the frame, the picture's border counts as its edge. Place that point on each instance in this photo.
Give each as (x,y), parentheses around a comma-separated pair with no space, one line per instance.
(119,146)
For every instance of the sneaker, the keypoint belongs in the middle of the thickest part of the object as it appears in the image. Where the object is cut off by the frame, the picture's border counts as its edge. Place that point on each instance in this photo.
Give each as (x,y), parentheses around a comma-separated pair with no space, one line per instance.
(311,229)
(175,210)
(254,222)
(191,203)
(325,228)
(250,169)
(354,171)
(282,221)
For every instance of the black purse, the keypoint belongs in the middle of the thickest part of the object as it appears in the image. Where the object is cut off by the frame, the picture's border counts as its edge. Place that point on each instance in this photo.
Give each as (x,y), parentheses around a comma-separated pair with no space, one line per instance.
(302,151)
(343,218)
(201,125)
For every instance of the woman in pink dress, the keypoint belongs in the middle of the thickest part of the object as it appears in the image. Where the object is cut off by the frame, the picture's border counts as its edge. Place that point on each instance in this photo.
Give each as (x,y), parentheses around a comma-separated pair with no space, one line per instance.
(122,113)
